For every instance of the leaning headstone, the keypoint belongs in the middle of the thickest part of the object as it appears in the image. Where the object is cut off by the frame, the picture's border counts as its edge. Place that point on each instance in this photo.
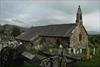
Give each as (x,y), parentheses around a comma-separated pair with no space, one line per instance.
(80,50)
(74,51)
(60,51)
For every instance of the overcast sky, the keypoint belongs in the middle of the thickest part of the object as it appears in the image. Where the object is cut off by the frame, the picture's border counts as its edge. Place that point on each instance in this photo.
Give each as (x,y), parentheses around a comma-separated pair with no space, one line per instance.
(28,13)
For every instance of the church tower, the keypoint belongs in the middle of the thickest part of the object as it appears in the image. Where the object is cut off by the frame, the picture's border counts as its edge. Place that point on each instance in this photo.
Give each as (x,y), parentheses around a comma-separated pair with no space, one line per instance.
(79,16)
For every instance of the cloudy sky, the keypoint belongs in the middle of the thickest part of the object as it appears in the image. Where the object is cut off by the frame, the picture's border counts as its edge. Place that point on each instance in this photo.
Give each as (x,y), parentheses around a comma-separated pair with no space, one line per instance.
(28,13)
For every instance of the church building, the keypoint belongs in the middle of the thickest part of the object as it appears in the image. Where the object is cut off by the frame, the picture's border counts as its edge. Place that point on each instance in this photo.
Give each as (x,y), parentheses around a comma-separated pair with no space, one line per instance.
(72,35)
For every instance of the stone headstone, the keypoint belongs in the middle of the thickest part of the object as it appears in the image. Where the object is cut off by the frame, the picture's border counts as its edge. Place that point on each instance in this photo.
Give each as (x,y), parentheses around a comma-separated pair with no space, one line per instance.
(94,51)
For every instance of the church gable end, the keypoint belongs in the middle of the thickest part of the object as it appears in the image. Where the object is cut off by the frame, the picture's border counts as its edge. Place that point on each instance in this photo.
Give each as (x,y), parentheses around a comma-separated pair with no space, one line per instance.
(79,37)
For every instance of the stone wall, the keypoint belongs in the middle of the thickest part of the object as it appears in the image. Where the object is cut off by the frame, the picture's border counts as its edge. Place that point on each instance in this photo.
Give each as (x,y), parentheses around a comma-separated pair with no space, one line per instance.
(52,41)
(79,37)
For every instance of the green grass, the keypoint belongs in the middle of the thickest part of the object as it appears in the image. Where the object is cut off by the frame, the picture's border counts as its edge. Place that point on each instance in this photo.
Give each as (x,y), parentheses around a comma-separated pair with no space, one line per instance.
(32,64)
(88,63)
(94,62)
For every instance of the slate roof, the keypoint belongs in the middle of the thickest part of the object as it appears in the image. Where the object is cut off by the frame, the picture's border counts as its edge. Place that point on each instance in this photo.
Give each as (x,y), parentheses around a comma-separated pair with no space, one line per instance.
(58,30)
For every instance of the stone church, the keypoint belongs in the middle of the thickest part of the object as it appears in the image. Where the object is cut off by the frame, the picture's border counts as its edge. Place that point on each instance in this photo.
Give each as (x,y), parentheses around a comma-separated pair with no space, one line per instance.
(72,35)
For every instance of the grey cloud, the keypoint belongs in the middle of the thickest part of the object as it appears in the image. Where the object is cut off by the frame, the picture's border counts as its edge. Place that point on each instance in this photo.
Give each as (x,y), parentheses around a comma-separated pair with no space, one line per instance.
(44,12)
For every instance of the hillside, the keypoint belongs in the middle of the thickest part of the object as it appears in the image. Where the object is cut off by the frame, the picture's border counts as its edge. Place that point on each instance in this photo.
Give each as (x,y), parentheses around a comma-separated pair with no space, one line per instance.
(94,40)
(9,32)
(93,32)
(9,27)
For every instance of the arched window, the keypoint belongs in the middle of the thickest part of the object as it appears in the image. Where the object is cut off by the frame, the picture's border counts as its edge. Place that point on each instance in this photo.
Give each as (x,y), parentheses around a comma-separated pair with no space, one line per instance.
(80,17)
(80,37)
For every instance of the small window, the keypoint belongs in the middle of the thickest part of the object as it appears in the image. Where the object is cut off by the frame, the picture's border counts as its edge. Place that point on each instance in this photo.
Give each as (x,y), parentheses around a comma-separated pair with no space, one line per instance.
(80,17)
(80,37)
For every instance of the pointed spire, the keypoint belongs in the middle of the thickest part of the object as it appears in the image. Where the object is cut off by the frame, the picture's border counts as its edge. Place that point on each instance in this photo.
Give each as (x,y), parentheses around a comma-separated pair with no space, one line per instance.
(79,15)
(79,10)
(79,6)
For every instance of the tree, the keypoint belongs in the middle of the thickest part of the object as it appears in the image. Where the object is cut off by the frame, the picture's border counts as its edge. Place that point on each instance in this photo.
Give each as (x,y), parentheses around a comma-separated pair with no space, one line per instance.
(15,31)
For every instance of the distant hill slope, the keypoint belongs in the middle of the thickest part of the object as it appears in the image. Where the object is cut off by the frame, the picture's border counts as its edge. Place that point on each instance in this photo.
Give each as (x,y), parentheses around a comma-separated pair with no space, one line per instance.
(94,39)
(9,27)
(93,32)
